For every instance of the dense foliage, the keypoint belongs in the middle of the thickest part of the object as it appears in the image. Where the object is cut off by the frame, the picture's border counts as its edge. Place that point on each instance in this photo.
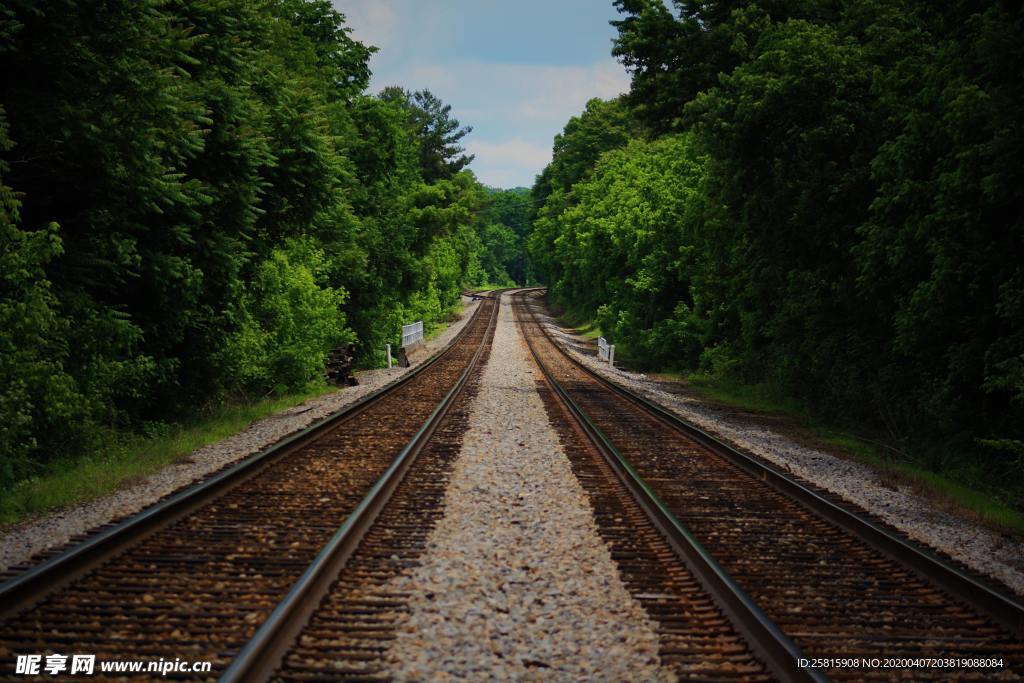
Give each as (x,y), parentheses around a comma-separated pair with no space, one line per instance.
(823,197)
(197,201)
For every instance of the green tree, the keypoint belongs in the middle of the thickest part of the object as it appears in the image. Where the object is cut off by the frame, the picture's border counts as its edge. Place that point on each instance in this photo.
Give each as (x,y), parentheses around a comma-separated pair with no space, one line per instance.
(439,135)
(674,57)
(629,245)
(37,397)
(507,224)
(796,123)
(940,250)
(289,319)
(602,126)
(204,189)
(850,232)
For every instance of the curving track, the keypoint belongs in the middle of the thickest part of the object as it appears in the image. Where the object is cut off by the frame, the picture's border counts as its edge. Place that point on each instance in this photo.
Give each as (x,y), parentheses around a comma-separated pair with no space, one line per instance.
(827,589)
(196,576)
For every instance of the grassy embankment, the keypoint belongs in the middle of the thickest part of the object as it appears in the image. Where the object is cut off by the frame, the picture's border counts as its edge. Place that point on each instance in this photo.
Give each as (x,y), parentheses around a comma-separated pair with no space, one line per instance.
(118,458)
(587,329)
(432,330)
(893,468)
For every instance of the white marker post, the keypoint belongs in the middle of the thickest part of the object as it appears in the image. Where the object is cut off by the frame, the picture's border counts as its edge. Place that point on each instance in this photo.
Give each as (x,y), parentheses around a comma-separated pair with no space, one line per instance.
(606,351)
(389,356)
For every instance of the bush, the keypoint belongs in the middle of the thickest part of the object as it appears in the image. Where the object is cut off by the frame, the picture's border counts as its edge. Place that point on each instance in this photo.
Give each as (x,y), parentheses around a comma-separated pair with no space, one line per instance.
(287,322)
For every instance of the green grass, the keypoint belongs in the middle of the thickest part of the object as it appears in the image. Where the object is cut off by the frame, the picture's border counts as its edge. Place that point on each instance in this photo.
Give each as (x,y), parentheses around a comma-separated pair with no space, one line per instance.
(434,329)
(590,331)
(475,289)
(893,467)
(753,397)
(119,458)
(984,507)
(585,328)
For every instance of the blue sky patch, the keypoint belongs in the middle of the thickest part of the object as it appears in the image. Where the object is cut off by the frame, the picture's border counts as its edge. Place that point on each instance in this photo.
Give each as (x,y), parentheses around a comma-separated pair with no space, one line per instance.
(515,71)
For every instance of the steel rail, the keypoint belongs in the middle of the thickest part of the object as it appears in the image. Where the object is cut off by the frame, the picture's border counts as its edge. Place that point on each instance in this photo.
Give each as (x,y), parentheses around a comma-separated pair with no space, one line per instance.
(1003,608)
(765,638)
(262,655)
(22,591)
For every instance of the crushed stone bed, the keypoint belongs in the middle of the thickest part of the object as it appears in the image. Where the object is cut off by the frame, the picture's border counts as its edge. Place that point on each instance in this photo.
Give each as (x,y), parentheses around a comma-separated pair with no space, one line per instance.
(986,552)
(20,542)
(516,583)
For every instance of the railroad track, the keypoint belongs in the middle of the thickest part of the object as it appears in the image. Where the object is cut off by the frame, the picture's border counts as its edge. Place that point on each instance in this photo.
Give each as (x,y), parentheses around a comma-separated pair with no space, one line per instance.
(347,637)
(797,575)
(343,630)
(227,570)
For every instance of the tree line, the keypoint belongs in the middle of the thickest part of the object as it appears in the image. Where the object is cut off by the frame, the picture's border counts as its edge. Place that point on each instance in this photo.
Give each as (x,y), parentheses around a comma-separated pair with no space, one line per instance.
(198,199)
(820,196)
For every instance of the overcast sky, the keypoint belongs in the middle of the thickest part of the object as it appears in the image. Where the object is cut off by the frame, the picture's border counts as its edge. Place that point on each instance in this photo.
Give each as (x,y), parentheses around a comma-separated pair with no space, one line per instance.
(515,70)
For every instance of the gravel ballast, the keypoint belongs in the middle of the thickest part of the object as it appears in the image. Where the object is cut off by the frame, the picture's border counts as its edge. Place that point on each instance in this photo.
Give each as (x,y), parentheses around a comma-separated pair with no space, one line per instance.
(516,583)
(986,552)
(20,542)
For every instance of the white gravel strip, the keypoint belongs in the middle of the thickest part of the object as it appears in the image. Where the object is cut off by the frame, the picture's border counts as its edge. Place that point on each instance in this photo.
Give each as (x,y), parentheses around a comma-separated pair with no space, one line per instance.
(516,583)
(21,541)
(984,551)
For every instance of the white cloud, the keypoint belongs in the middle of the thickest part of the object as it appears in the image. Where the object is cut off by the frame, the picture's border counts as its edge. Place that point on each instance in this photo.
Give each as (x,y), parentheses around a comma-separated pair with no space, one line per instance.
(504,178)
(375,22)
(510,153)
(515,109)
(558,92)
(507,163)
(404,30)
(439,77)
(522,91)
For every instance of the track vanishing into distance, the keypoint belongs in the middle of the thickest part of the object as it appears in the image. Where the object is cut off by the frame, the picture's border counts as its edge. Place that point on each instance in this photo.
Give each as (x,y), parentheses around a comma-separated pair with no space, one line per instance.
(280,567)
(797,577)
(195,576)
(340,630)
(347,635)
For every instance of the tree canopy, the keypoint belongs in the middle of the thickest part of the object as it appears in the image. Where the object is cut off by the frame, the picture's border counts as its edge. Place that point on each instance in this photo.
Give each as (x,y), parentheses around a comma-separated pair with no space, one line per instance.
(198,200)
(438,133)
(822,197)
